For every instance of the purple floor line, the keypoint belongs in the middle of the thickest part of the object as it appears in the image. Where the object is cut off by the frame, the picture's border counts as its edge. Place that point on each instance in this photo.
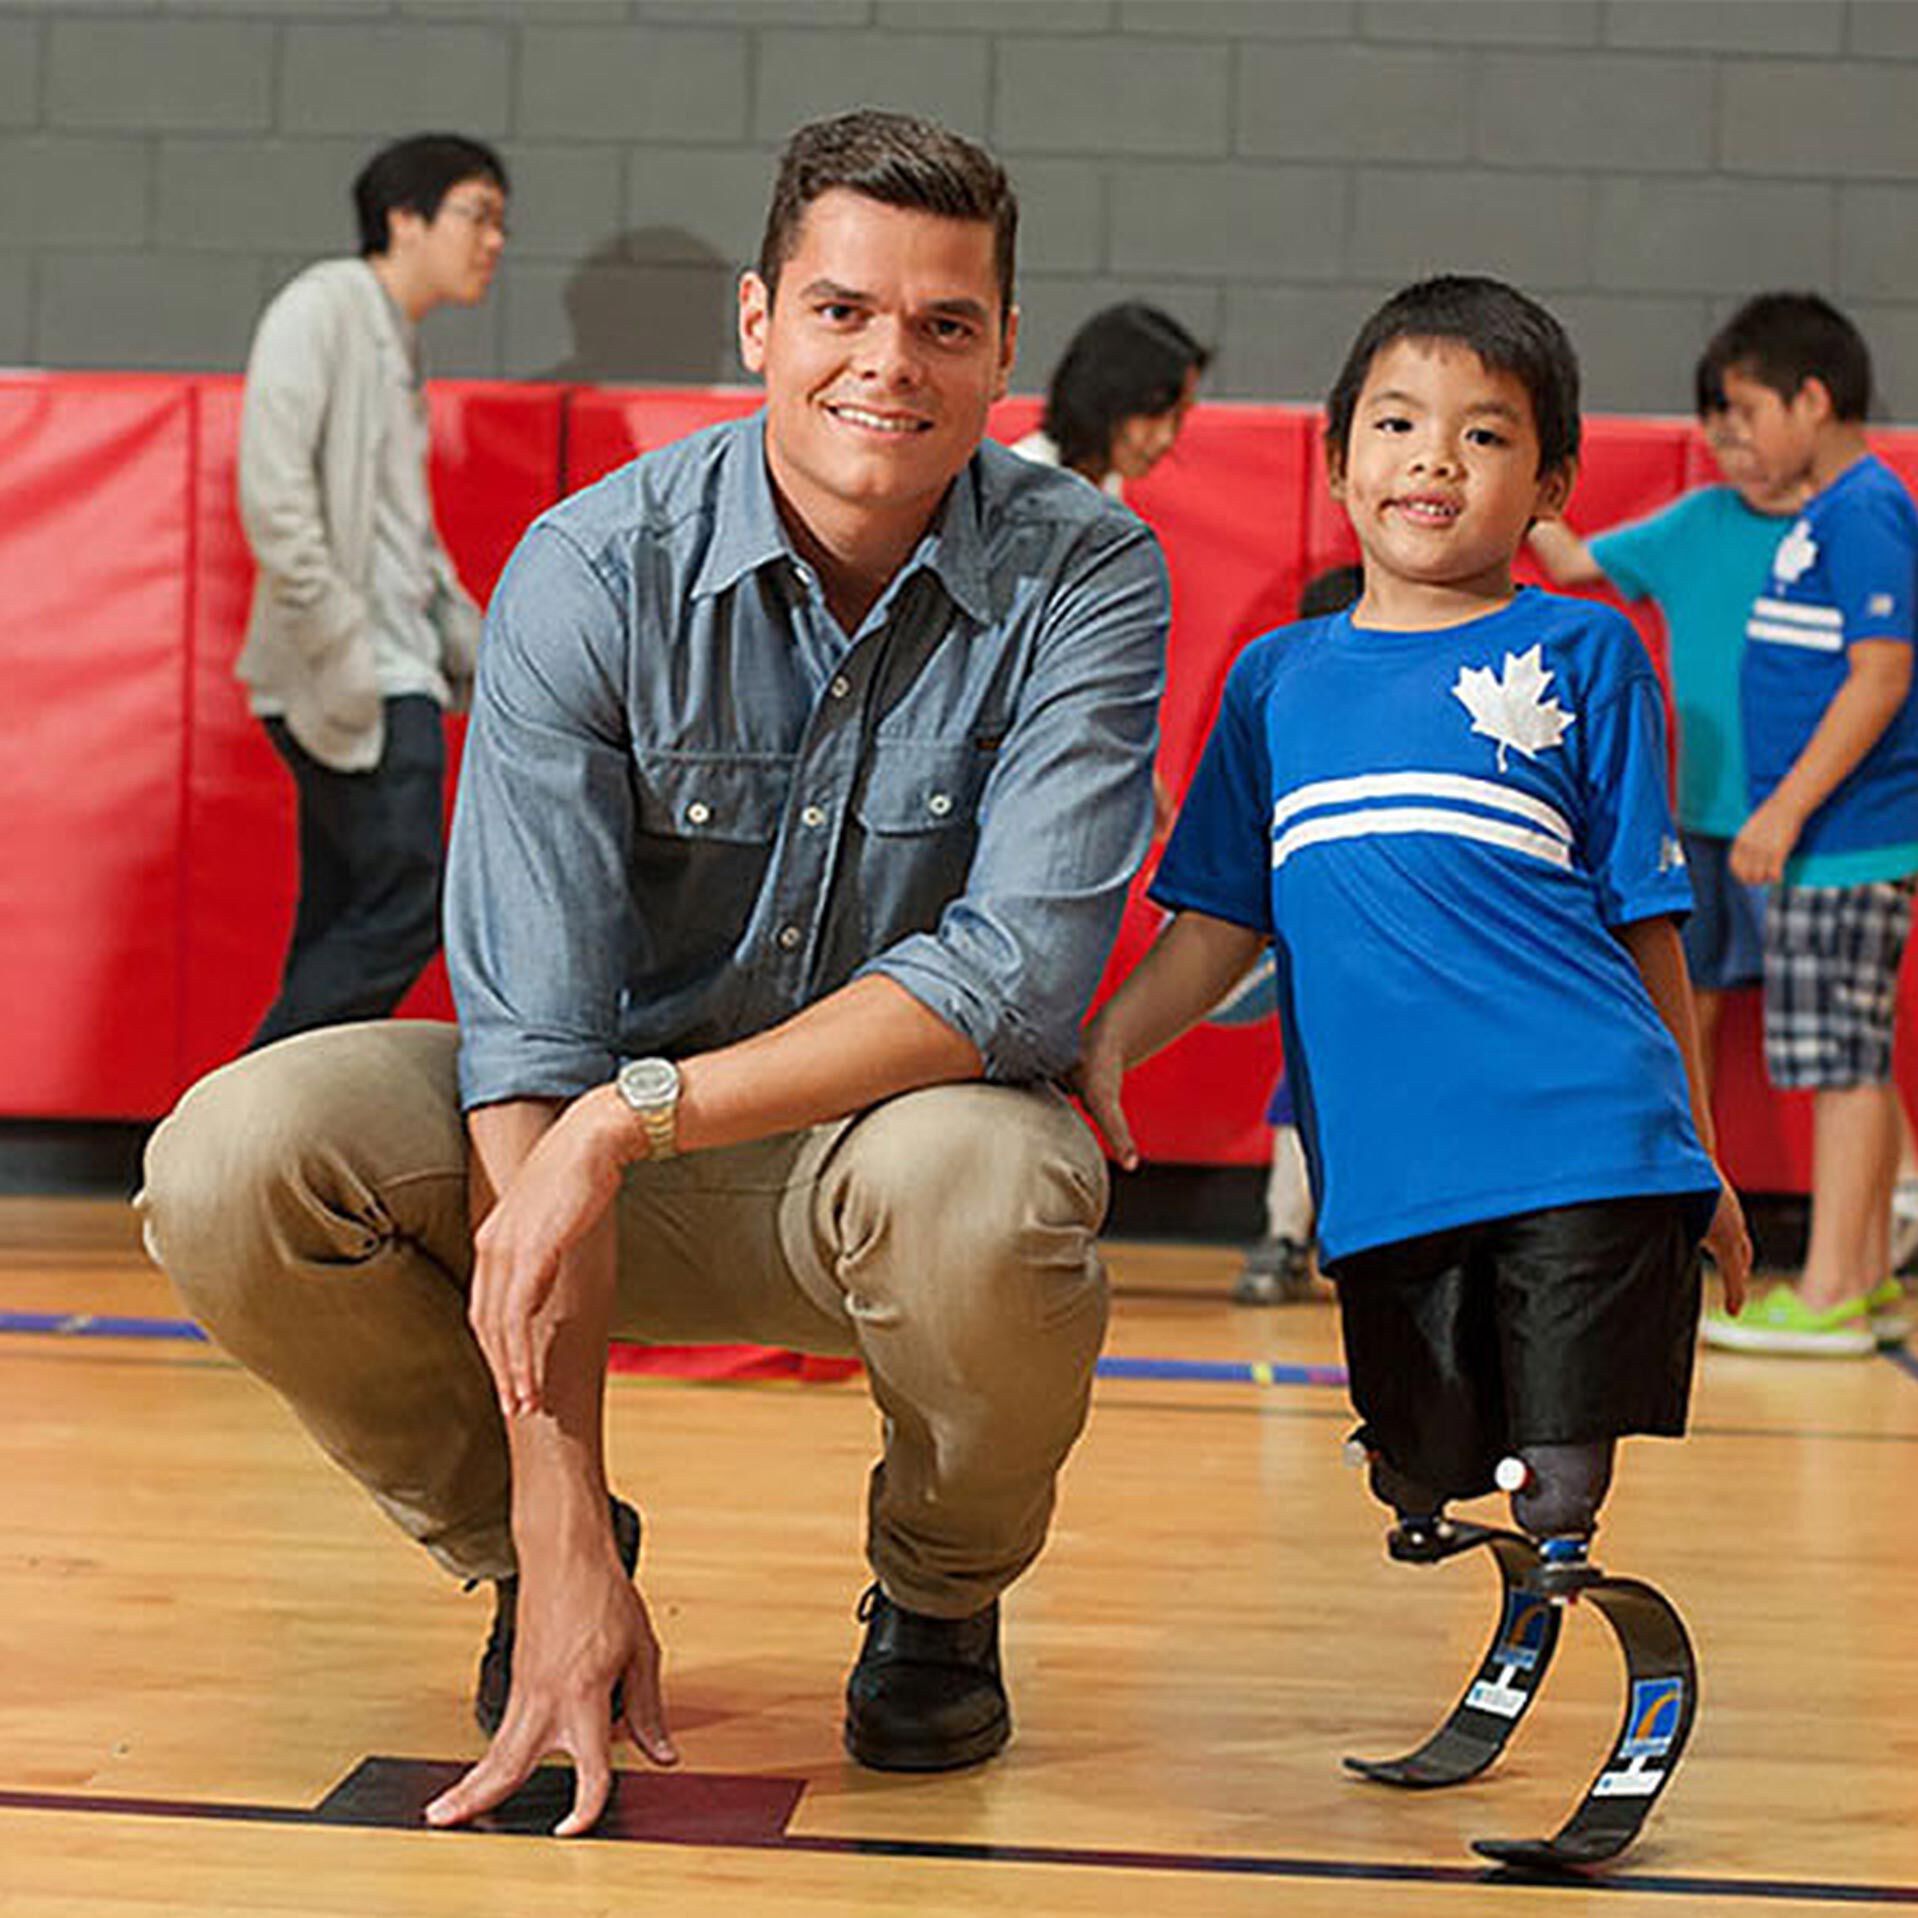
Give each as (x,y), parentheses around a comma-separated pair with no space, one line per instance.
(100,1325)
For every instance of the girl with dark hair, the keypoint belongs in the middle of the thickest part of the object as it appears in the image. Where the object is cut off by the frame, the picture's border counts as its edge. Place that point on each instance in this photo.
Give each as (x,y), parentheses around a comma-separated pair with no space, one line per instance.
(1119,395)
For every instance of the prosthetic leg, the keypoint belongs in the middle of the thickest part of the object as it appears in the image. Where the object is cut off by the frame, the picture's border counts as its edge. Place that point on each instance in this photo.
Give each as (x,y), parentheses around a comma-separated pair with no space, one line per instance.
(1556,1491)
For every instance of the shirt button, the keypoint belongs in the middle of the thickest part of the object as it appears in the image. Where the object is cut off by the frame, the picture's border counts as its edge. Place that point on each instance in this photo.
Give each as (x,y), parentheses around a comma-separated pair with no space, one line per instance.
(789,937)
(699,812)
(840,686)
(939,805)
(812,816)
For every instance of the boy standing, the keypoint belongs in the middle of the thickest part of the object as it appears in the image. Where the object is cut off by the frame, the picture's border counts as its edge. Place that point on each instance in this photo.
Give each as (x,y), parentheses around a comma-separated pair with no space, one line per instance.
(1832,739)
(361,633)
(1446,810)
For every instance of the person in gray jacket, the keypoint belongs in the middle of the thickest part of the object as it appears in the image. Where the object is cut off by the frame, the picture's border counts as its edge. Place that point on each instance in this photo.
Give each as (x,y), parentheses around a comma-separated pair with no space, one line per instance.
(360,633)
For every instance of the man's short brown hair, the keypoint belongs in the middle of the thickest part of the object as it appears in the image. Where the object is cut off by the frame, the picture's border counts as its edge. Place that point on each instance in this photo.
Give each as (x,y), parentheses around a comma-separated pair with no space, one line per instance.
(899,161)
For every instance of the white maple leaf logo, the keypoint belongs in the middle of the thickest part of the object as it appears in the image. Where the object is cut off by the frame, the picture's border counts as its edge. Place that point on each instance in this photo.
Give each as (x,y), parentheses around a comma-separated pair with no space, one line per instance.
(1511,707)
(1796,551)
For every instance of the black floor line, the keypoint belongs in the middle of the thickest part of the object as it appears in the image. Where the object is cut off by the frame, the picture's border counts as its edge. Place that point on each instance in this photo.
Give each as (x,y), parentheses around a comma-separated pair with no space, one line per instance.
(742,1813)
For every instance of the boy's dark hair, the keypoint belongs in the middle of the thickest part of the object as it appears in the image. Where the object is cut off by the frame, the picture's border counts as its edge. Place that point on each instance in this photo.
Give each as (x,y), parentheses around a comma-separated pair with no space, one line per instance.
(1506,330)
(1331,591)
(1125,360)
(1781,340)
(899,161)
(1708,386)
(416,174)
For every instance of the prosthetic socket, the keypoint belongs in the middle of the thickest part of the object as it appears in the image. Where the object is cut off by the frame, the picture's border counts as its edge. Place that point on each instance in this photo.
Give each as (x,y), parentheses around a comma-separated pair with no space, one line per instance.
(1555,1490)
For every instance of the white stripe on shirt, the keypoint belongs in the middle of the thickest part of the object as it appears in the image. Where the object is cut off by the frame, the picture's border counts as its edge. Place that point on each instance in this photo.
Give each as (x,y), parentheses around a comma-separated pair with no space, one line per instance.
(1379,821)
(1829,641)
(1426,785)
(1793,612)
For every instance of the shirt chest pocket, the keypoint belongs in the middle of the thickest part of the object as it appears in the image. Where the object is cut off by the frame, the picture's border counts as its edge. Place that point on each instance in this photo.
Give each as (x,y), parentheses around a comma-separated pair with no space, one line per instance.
(913,787)
(918,822)
(698,798)
(706,827)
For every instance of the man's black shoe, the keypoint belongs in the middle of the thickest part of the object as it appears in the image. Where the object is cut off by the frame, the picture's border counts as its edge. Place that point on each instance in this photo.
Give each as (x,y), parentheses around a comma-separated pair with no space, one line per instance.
(496,1662)
(926,1694)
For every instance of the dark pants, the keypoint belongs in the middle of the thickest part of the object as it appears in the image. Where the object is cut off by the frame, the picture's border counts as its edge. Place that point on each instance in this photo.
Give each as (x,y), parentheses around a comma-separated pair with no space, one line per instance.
(371,853)
(1548,1328)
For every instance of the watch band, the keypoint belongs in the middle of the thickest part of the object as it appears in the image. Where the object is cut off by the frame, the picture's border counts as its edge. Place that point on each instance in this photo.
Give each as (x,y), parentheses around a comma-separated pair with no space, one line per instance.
(661,1126)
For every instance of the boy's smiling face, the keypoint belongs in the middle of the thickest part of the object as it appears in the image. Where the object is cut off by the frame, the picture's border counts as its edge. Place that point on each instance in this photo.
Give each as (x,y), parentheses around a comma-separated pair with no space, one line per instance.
(1440,476)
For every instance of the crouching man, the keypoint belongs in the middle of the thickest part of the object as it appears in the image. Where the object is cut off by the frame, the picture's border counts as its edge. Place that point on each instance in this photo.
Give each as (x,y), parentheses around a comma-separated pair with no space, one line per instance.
(811,758)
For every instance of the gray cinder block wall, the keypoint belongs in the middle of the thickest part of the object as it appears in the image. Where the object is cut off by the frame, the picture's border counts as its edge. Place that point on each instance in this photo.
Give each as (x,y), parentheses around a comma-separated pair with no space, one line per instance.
(1266,168)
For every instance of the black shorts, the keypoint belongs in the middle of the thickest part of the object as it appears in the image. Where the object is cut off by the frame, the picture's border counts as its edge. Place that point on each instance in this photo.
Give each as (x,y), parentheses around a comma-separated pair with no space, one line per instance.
(1549,1328)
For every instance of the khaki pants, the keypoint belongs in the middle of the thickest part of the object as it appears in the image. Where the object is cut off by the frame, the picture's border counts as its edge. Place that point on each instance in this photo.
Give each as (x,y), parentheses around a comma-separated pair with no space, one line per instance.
(309,1202)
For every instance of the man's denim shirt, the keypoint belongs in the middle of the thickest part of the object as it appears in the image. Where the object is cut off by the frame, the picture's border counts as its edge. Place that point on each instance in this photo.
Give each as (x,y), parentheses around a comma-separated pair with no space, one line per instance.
(691,805)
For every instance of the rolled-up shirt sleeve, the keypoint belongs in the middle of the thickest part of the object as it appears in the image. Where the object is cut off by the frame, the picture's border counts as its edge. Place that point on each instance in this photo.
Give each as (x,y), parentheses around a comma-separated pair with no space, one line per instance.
(1065,818)
(538,898)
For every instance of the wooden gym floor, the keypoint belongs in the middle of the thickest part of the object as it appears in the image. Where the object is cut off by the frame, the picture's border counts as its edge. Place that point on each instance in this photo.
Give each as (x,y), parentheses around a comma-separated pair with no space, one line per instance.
(204,1630)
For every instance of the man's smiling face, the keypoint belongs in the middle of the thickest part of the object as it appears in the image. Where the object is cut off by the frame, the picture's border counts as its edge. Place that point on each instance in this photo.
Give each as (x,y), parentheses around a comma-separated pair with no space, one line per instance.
(882,353)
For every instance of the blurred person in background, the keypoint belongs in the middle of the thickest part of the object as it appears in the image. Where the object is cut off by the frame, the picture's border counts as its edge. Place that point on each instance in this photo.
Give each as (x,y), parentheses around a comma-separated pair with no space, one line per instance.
(361,635)
(1118,396)
(1114,408)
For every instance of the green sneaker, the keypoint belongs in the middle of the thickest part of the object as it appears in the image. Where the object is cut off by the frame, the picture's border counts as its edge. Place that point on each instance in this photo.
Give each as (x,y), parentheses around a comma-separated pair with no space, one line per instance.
(1890,1324)
(1780,1321)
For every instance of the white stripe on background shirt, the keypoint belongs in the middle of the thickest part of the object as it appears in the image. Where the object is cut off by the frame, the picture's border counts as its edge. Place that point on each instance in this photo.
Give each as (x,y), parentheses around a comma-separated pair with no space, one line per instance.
(1792,612)
(1831,640)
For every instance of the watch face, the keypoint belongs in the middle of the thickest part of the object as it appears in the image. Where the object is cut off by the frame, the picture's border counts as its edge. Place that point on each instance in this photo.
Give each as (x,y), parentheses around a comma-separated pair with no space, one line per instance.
(649,1082)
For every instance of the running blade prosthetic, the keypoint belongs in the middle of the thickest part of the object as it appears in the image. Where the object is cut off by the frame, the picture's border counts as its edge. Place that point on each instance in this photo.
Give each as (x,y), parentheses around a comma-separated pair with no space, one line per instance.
(1661,1695)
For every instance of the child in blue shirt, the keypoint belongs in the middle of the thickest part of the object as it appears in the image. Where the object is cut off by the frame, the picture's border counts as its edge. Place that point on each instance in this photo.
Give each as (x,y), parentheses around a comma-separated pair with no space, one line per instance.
(1831,741)
(1445,810)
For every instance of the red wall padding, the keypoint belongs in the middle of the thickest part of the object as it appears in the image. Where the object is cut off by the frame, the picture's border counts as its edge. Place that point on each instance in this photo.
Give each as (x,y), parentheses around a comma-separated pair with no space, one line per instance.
(95,571)
(147,862)
(605,428)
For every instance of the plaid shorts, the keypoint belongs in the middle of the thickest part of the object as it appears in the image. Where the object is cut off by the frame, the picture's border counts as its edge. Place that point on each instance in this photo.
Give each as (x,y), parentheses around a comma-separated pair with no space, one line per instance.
(1831,981)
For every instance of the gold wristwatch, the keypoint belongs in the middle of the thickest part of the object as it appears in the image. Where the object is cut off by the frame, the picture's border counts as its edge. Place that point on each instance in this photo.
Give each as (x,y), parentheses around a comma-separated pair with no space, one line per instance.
(651,1088)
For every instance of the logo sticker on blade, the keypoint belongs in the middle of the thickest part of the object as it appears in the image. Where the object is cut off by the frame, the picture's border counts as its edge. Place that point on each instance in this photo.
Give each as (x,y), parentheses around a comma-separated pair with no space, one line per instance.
(1651,1726)
(1522,1642)
(1520,1646)
(1656,1706)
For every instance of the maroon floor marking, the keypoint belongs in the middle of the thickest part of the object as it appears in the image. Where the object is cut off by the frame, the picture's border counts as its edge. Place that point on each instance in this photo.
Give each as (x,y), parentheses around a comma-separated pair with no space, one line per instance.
(678,1807)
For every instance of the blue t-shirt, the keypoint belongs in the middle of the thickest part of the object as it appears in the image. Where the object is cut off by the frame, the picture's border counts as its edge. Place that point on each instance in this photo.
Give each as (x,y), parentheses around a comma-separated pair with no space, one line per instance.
(1438,830)
(1703,560)
(1847,570)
